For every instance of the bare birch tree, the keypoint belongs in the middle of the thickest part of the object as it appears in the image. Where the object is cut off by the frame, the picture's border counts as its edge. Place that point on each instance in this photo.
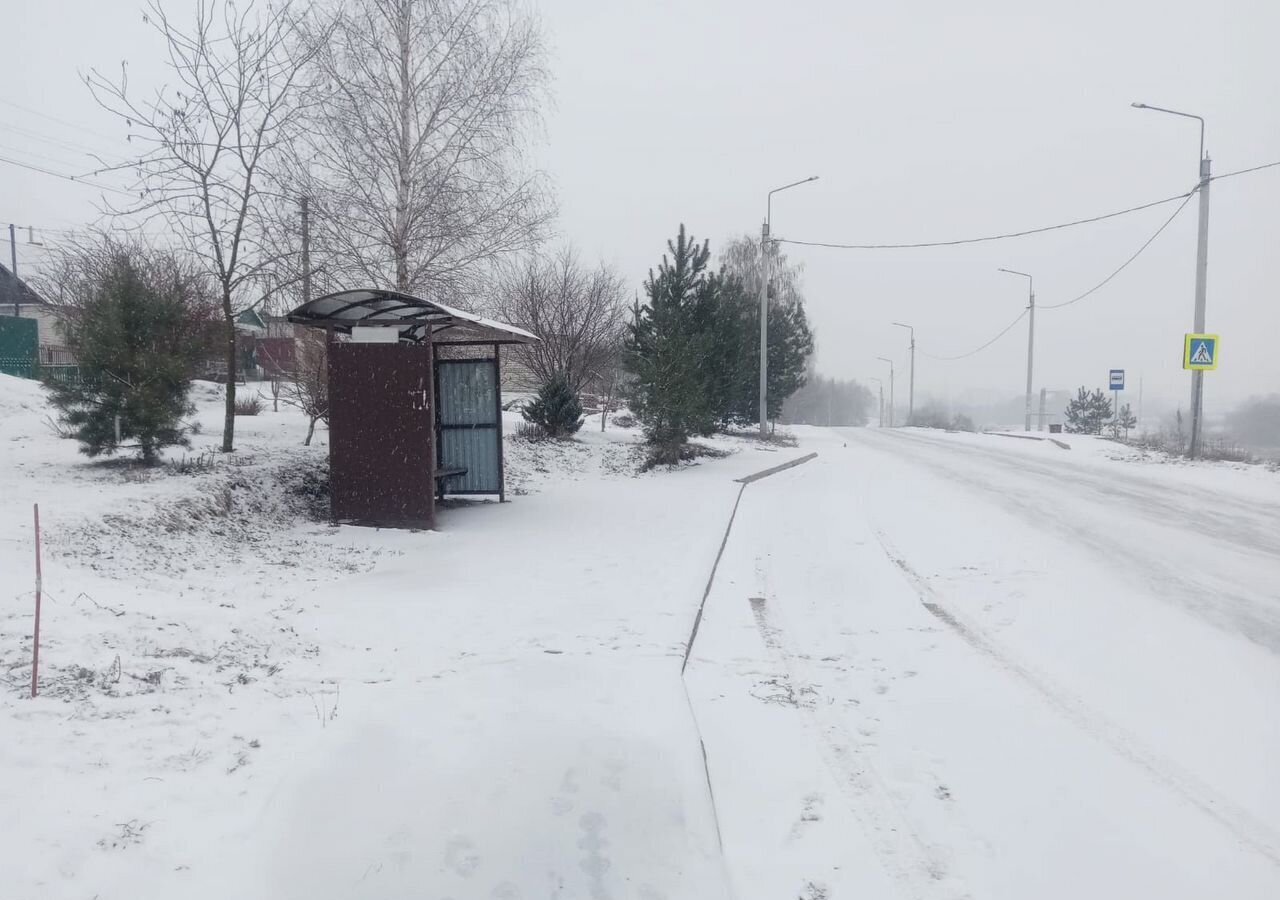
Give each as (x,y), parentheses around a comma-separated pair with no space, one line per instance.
(207,140)
(415,142)
(577,313)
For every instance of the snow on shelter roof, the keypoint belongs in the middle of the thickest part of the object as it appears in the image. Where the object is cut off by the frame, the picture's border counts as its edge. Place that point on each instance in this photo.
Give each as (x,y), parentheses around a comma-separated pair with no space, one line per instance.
(412,316)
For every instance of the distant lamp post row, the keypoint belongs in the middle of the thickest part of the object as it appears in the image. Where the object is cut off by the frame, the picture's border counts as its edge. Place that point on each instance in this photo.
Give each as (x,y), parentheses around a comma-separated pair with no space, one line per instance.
(911,390)
(890,362)
(1031,338)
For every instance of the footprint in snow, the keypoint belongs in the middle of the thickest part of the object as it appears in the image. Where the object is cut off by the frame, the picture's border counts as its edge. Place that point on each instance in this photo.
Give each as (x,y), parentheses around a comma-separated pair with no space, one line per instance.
(460,856)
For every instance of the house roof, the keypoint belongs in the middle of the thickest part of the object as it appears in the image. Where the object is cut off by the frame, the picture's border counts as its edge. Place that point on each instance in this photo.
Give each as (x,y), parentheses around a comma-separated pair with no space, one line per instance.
(251,320)
(414,317)
(14,290)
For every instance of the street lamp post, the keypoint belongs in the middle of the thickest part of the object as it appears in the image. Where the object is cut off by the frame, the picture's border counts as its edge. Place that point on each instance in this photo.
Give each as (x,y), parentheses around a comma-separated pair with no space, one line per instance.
(911,391)
(764,304)
(1031,338)
(881,383)
(1202,273)
(890,362)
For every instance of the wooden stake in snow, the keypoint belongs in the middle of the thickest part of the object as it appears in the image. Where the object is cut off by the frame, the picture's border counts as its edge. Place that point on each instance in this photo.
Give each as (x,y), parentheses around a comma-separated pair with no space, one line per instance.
(35,638)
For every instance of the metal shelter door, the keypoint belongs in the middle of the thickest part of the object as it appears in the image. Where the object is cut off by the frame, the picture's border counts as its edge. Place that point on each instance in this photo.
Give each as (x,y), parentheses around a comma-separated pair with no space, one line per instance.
(470,423)
(380,434)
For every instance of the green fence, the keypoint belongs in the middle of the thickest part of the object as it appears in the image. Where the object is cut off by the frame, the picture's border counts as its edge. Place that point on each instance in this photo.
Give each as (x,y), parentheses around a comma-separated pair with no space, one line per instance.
(19,339)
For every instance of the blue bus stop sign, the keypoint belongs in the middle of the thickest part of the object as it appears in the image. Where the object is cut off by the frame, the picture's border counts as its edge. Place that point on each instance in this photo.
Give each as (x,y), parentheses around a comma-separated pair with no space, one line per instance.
(1117,379)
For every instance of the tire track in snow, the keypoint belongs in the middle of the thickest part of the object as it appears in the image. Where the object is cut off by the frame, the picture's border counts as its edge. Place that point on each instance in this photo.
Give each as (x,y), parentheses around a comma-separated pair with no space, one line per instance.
(906,856)
(1250,614)
(1240,823)
(1224,517)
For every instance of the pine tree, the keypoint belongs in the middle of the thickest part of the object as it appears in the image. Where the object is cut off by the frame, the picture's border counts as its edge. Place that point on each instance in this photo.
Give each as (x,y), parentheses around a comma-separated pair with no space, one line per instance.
(668,350)
(1088,412)
(137,334)
(1125,421)
(556,410)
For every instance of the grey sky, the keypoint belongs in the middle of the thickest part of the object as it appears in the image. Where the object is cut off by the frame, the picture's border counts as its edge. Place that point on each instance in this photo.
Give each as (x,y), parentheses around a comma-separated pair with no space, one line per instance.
(927,120)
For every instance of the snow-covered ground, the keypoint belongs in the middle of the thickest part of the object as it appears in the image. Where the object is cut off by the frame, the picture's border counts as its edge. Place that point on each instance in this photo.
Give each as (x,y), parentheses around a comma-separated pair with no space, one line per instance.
(997,668)
(930,665)
(238,700)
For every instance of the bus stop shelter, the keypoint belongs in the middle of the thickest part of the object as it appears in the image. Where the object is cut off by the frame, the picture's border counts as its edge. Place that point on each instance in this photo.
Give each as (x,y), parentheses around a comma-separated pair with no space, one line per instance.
(415,403)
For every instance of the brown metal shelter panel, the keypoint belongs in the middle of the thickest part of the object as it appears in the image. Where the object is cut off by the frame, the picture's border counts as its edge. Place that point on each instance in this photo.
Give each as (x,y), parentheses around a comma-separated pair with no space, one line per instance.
(381,434)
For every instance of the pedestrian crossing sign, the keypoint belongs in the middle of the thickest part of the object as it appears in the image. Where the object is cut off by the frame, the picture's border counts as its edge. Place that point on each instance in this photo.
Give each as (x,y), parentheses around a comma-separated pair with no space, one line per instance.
(1200,352)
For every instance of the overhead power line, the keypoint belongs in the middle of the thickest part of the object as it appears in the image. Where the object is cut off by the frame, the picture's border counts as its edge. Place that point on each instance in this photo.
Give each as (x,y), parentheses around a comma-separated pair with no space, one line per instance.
(1270,165)
(1003,331)
(1147,243)
(77,127)
(990,237)
(63,175)
(919,245)
(61,143)
(1125,264)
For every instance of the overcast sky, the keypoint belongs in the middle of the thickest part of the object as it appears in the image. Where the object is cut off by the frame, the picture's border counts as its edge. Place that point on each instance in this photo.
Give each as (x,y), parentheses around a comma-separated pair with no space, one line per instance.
(924,120)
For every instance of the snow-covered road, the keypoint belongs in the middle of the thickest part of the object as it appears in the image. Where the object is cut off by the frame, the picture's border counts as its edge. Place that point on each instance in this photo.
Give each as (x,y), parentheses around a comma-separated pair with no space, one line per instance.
(996,668)
(1215,550)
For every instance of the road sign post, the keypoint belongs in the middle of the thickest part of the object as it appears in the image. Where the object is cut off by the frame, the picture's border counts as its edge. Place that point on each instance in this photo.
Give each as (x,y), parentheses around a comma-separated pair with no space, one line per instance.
(1115,379)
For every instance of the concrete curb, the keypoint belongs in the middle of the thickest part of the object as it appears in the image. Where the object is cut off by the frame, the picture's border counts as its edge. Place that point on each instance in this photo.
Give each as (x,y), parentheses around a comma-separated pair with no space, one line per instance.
(749,479)
(693,635)
(1028,437)
(706,591)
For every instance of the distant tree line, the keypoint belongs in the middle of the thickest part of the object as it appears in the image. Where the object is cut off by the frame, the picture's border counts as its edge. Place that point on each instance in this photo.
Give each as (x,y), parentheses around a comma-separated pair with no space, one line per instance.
(1256,422)
(829,401)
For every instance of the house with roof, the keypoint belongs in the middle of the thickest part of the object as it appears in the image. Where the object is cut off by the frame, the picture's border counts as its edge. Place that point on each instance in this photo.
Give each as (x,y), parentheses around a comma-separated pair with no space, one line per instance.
(41,342)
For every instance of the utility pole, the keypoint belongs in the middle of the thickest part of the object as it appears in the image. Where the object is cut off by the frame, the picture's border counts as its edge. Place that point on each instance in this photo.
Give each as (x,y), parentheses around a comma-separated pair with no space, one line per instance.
(1139,404)
(1031,355)
(911,395)
(306,248)
(764,304)
(1202,275)
(890,362)
(13,267)
(764,328)
(1031,340)
(1202,271)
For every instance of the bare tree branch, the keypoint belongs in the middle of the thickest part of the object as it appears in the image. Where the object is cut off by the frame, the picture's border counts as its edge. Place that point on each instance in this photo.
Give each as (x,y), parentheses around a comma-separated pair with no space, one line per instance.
(208,138)
(576,312)
(414,145)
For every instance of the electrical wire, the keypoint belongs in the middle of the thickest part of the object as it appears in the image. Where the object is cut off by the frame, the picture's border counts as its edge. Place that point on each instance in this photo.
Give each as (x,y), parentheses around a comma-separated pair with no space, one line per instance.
(1270,165)
(60,143)
(1125,264)
(1149,241)
(77,180)
(1022,315)
(75,126)
(1029,231)
(990,237)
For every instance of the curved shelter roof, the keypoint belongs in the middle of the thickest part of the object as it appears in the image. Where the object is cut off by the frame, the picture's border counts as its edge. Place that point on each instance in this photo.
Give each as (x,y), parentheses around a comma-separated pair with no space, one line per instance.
(414,317)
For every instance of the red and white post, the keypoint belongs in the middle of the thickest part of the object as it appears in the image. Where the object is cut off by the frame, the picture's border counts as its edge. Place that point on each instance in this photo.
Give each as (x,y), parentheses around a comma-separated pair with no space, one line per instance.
(35,638)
